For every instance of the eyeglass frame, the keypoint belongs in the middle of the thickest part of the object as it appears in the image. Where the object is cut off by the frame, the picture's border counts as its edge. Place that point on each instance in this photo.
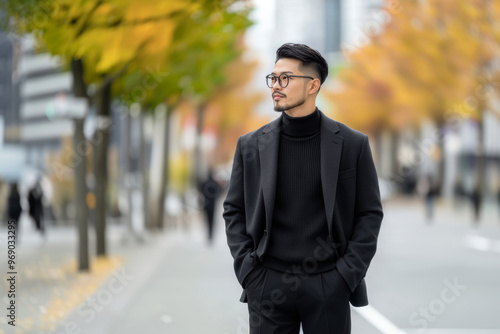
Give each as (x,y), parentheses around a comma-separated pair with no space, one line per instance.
(288,80)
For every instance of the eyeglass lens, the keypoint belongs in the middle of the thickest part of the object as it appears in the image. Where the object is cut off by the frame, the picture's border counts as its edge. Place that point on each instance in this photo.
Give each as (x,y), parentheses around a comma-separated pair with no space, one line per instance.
(283,80)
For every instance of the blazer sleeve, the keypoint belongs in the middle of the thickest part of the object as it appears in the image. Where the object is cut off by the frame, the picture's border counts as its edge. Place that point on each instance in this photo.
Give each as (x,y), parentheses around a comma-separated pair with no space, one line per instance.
(367,220)
(240,243)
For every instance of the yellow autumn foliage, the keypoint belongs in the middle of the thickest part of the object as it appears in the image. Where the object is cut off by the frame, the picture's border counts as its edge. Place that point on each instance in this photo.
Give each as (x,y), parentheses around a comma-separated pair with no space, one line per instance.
(430,56)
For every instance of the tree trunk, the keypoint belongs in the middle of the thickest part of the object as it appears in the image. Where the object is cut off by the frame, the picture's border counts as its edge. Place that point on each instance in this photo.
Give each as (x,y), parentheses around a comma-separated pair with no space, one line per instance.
(79,89)
(157,151)
(197,159)
(394,159)
(80,194)
(128,174)
(439,185)
(378,152)
(129,182)
(477,195)
(144,173)
(164,174)
(101,142)
(159,167)
(79,86)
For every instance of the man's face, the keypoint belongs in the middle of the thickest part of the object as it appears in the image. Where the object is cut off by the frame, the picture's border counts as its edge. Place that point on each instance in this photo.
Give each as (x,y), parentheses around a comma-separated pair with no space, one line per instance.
(294,94)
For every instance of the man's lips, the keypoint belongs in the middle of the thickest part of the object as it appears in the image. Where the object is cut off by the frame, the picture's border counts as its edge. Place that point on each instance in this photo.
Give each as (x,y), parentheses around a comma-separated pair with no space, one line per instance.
(278,96)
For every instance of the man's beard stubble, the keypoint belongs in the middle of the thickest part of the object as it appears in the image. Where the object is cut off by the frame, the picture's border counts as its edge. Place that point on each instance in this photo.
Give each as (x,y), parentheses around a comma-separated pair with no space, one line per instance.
(300,102)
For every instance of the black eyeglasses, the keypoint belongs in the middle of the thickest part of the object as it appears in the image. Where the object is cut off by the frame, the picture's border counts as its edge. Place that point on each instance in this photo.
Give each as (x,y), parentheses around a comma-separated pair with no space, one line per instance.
(283,79)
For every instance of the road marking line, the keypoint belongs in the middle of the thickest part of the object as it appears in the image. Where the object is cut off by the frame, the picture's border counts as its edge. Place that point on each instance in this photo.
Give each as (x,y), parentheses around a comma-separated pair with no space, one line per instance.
(378,320)
(482,244)
(453,331)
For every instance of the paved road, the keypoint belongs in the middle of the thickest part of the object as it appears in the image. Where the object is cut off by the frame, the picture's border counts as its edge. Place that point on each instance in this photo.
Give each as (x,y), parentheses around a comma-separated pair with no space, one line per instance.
(440,276)
(178,286)
(443,276)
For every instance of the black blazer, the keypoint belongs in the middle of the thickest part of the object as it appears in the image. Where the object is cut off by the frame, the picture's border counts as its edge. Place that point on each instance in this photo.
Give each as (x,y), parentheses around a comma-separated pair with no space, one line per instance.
(350,190)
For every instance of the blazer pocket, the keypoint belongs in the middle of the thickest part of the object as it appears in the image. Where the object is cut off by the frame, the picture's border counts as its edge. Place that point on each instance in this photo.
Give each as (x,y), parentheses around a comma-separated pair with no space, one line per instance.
(345,174)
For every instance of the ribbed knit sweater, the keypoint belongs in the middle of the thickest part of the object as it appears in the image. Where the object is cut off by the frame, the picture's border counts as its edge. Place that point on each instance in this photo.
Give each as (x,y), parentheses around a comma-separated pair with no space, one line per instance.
(299,217)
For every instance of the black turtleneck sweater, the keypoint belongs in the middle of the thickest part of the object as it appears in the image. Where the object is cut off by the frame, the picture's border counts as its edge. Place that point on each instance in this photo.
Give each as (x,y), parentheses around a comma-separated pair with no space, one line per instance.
(299,217)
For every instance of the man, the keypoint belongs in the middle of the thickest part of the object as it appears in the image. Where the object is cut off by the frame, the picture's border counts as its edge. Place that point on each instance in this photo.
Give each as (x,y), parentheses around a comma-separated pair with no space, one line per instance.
(303,208)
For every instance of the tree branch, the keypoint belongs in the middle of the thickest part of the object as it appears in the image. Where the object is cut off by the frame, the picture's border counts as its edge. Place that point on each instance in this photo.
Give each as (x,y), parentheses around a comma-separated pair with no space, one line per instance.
(108,79)
(87,18)
(137,22)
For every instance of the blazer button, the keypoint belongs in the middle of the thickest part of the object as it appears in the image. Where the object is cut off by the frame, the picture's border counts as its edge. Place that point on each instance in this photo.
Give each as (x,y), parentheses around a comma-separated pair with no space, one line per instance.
(265,231)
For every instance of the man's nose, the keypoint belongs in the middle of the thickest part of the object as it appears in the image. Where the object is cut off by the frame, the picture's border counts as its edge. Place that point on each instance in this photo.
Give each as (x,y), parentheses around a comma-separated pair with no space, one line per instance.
(276,85)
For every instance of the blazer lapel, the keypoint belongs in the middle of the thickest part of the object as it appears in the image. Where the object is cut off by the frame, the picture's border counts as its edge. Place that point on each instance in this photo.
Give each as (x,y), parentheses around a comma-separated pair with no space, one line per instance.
(331,149)
(268,144)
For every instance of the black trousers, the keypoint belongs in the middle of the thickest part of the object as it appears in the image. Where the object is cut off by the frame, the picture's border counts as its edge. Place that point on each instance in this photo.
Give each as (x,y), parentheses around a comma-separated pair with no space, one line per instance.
(279,302)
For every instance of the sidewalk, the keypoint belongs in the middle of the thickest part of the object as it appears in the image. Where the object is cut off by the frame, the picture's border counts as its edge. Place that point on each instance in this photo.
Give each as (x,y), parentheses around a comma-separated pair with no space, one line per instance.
(47,284)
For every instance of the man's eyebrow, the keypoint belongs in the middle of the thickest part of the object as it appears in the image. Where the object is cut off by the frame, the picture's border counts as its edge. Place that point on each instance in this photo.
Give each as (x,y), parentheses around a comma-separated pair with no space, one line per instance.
(282,72)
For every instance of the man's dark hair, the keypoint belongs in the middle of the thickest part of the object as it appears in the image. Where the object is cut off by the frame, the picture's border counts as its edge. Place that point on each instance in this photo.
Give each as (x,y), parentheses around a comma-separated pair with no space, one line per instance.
(308,57)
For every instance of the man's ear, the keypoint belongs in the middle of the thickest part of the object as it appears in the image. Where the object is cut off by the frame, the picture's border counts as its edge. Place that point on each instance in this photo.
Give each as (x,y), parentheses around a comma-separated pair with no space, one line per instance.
(316,84)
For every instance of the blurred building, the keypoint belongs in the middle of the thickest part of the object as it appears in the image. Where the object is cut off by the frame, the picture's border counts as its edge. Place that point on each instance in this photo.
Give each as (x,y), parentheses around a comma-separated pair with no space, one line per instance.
(29,84)
(325,25)
(461,156)
(12,154)
(9,90)
(41,79)
(300,22)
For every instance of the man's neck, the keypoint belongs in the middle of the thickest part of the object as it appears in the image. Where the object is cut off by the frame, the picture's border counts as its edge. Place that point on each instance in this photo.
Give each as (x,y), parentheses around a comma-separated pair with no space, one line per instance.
(301,111)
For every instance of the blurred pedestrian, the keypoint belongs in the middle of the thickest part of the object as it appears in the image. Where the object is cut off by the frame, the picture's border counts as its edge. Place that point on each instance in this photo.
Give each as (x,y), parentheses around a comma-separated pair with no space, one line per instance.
(35,202)
(476,200)
(303,209)
(459,194)
(427,189)
(14,208)
(210,189)
(498,197)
